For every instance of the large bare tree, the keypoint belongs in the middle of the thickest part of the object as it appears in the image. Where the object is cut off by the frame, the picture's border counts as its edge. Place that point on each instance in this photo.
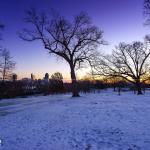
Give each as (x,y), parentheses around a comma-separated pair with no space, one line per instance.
(75,41)
(128,61)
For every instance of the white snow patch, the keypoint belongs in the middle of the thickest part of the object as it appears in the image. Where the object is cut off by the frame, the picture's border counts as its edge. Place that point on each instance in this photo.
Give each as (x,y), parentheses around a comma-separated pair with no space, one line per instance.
(102,121)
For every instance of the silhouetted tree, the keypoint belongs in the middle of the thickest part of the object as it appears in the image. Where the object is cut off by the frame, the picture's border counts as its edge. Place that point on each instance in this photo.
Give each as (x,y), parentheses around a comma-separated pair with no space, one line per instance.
(57,82)
(6,65)
(57,76)
(74,41)
(128,61)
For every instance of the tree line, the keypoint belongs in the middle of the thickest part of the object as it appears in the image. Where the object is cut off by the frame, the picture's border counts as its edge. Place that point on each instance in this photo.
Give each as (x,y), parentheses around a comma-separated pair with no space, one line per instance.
(56,85)
(45,86)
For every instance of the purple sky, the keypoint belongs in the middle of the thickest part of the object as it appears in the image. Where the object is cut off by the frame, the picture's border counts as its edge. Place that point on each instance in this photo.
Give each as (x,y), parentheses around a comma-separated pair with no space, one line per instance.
(121,21)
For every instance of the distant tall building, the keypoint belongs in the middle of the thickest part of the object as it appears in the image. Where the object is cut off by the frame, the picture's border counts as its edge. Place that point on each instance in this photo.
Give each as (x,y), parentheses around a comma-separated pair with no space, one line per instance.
(14,77)
(32,76)
(46,78)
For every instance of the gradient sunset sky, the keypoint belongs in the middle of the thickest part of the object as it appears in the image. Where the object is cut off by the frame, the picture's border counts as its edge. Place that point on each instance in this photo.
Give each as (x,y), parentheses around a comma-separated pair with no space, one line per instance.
(121,21)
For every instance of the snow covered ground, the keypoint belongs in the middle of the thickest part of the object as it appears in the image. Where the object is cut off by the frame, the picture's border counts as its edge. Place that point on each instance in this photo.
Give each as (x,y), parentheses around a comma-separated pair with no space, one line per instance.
(101,121)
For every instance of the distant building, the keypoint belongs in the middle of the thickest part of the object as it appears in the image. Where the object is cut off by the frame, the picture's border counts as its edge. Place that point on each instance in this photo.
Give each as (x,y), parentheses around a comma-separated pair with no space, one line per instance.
(14,77)
(46,78)
(32,76)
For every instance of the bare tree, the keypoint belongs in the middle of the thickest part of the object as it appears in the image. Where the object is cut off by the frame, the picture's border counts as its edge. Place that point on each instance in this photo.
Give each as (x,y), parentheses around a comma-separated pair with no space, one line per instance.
(128,61)
(6,65)
(56,82)
(74,41)
(57,76)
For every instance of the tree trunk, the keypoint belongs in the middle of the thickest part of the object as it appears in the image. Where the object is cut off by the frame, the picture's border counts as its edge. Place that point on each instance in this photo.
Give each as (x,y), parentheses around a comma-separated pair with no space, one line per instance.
(4,71)
(139,89)
(75,92)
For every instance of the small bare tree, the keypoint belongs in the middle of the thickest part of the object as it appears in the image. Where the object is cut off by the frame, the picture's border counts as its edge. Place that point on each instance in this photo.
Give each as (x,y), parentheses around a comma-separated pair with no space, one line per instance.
(6,65)
(74,41)
(128,61)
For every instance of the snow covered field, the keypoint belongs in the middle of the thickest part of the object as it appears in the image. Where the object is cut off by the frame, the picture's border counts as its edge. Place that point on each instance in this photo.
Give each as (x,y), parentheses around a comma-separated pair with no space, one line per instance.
(101,121)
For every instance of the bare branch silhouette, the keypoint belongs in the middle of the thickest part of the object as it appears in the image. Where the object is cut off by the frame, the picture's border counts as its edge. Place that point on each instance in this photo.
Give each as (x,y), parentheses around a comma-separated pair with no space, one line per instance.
(128,61)
(6,65)
(74,41)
